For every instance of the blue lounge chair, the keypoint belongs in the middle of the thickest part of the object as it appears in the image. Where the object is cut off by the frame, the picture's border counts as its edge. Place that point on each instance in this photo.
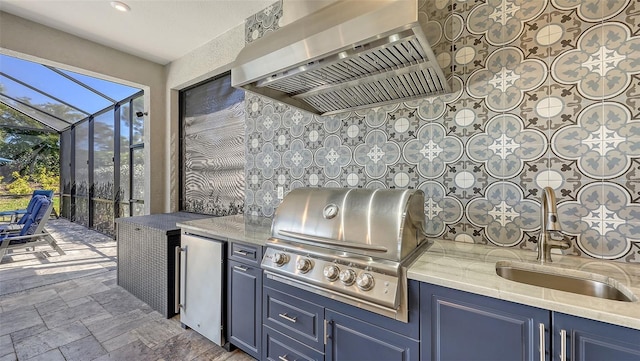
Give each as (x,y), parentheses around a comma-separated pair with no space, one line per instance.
(29,232)
(17,213)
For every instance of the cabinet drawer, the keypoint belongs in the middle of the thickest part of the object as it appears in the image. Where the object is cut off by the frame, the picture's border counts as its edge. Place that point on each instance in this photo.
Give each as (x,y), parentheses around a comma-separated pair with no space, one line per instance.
(246,253)
(244,307)
(294,317)
(278,347)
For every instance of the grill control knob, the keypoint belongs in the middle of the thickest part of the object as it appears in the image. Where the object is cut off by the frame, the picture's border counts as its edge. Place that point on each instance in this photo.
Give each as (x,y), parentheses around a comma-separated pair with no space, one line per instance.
(365,281)
(348,276)
(331,272)
(304,265)
(280,259)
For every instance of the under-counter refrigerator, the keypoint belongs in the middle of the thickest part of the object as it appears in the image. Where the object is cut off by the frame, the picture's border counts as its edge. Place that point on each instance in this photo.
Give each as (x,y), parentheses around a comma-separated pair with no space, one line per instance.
(201,285)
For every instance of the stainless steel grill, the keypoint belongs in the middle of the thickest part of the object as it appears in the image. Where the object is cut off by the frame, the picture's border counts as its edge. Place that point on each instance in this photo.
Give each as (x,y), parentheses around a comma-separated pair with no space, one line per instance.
(349,244)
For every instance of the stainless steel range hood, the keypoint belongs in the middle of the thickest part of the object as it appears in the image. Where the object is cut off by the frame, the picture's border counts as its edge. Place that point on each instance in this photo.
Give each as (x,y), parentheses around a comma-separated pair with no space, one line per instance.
(348,55)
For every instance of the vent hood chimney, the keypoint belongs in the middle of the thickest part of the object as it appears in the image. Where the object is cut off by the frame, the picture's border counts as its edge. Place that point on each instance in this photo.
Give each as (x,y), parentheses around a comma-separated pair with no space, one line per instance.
(348,55)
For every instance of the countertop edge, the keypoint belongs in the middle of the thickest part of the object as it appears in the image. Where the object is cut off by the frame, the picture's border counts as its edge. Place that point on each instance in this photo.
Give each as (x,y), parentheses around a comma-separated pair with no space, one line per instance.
(236,228)
(471,268)
(556,306)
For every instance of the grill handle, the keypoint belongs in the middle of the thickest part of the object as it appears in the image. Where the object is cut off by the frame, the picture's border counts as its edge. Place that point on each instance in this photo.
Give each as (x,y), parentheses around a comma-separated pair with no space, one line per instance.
(314,240)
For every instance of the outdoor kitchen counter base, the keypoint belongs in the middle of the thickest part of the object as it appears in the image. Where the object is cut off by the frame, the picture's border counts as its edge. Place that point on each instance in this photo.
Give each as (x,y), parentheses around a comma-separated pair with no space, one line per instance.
(472,268)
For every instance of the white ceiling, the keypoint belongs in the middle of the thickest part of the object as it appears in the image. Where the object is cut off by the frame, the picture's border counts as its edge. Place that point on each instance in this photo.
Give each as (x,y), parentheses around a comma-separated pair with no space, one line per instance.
(157,30)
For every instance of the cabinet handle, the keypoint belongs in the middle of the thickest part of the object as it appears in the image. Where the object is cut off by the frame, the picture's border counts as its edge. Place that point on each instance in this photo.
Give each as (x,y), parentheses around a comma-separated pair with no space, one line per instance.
(241,268)
(283,358)
(542,342)
(241,252)
(287,317)
(325,331)
(563,345)
(176,275)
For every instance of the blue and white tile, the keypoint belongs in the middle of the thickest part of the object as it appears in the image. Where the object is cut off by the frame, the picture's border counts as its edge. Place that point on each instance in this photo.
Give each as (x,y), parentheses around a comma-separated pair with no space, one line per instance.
(254,179)
(505,145)
(334,124)
(402,124)
(549,171)
(551,33)
(268,122)
(465,232)
(604,140)
(440,209)
(267,160)
(315,135)
(376,154)
(402,175)
(504,213)
(263,22)
(467,116)
(281,140)
(377,116)
(297,158)
(603,63)
(267,198)
(505,78)
(354,130)
(502,21)
(592,10)
(466,179)
(296,121)
(432,150)
(315,176)
(607,225)
(332,156)
(353,176)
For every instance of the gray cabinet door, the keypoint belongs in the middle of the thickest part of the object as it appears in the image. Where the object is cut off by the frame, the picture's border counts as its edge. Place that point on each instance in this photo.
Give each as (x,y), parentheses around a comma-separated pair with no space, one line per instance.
(245,306)
(457,325)
(349,339)
(593,340)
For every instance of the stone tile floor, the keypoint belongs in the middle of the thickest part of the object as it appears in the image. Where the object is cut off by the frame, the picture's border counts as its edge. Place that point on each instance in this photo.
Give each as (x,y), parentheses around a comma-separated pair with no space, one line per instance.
(69,307)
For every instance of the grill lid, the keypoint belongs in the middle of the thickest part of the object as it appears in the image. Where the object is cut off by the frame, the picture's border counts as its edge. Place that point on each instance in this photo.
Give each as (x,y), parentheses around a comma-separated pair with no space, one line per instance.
(381,223)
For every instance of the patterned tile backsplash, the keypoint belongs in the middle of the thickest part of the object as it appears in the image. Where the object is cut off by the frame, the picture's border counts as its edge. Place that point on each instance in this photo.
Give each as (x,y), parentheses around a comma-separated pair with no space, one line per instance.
(546,93)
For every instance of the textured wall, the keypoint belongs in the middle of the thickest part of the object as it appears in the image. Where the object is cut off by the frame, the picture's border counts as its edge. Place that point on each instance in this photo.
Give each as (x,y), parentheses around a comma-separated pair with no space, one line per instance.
(547,93)
(213,129)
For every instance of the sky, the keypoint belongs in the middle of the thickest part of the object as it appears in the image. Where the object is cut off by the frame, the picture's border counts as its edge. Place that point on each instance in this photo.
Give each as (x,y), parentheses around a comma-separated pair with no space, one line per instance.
(52,83)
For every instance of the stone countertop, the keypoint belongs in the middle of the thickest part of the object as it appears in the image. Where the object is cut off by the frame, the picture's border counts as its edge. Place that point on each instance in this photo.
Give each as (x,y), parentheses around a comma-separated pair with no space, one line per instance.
(471,268)
(244,228)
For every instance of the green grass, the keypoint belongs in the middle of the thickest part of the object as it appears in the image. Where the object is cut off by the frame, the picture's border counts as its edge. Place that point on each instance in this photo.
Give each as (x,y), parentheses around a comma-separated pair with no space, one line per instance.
(10,204)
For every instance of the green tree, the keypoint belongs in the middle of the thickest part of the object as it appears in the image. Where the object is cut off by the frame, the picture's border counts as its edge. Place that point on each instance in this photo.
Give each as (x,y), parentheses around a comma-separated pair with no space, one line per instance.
(30,149)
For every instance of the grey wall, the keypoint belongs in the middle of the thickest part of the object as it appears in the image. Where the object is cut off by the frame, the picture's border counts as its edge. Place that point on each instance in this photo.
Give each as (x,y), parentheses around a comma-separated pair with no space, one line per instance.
(546,94)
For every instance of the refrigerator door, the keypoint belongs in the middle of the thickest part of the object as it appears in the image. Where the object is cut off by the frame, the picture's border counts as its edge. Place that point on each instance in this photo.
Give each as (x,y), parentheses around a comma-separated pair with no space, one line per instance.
(201,267)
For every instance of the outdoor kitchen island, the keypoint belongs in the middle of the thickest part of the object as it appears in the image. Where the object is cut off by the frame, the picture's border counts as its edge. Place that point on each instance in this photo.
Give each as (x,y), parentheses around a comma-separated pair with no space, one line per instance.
(455,298)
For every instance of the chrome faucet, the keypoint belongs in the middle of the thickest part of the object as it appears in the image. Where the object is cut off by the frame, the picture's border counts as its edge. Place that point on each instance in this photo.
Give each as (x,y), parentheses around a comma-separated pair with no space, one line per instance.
(551,235)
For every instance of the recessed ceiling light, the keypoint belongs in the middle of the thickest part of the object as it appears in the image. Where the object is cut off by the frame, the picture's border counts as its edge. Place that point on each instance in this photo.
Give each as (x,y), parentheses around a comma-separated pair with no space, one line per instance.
(120,6)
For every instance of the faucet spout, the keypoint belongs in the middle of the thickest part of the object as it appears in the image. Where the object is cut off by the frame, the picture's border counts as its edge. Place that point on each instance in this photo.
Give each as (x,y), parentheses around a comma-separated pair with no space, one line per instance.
(550,220)
(551,235)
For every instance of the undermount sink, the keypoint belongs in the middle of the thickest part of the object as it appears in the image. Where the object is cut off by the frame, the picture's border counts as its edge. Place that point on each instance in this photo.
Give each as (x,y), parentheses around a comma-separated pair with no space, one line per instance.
(576,282)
